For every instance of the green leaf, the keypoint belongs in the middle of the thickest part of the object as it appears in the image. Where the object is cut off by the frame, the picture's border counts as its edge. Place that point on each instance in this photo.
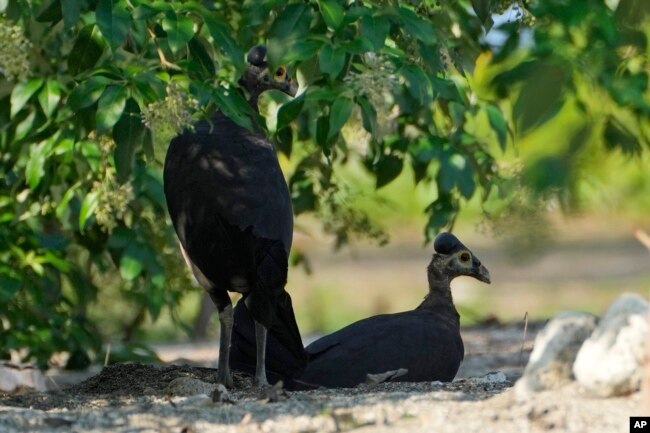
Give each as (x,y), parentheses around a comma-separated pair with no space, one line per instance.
(87,93)
(234,106)
(86,51)
(22,92)
(62,206)
(25,126)
(387,168)
(322,126)
(201,56)
(498,124)
(128,134)
(368,115)
(223,39)
(88,206)
(131,262)
(302,191)
(9,286)
(292,22)
(617,136)
(539,97)
(374,30)
(331,60)
(285,140)
(289,111)
(50,96)
(441,214)
(418,83)
(339,113)
(110,107)
(416,26)
(455,171)
(482,11)
(147,11)
(287,29)
(35,168)
(71,12)
(303,50)
(147,145)
(50,13)
(332,13)
(446,89)
(113,21)
(179,29)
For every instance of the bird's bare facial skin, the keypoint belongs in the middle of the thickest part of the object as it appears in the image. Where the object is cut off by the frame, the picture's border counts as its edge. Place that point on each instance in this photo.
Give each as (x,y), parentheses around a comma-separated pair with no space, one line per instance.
(280,74)
(465,263)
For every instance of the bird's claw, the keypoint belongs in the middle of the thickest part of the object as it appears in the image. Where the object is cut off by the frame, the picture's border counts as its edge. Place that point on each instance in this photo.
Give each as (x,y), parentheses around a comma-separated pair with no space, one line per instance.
(272,394)
(225,379)
(261,382)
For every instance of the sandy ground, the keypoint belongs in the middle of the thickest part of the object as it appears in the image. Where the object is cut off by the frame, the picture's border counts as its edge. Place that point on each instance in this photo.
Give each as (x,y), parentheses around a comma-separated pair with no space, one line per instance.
(138,398)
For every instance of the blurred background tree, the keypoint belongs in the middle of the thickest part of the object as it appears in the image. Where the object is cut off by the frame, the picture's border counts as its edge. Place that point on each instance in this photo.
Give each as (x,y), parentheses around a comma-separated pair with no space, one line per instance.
(93,90)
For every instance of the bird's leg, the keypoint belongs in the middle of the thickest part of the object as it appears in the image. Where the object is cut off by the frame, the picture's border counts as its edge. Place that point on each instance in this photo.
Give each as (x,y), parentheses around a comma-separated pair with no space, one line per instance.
(260,342)
(226,320)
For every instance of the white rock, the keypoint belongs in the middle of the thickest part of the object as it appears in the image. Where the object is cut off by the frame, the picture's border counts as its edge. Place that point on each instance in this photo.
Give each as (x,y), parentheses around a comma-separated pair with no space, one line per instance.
(554,351)
(492,377)
(609,362)
(14,379)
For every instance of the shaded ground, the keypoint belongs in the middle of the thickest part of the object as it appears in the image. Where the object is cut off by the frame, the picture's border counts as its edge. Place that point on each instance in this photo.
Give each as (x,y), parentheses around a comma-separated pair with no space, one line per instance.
(137,398)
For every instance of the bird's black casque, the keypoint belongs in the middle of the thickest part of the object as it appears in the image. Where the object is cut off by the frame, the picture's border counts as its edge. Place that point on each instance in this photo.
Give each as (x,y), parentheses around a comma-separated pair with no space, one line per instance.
(231,210)
(425,341)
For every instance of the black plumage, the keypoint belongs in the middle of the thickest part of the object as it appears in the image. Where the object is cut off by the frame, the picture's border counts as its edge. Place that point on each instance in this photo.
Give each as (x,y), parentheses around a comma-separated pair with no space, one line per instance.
(231,209)
(425,341)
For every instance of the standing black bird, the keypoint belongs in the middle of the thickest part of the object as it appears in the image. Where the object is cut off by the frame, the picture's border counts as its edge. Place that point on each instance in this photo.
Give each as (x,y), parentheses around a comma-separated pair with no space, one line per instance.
(232,212)
(425,341)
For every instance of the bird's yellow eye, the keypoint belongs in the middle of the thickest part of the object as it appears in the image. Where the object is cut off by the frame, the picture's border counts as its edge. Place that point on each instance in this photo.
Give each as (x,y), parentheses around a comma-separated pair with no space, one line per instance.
(465,257)
(280,74)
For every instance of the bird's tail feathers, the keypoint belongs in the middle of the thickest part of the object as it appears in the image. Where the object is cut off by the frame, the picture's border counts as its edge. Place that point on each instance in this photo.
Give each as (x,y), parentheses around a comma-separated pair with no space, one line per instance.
(286,357)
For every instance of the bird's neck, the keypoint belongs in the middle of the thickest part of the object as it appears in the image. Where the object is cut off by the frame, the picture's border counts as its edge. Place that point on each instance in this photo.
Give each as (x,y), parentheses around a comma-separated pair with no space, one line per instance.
(439,288)
(253,100)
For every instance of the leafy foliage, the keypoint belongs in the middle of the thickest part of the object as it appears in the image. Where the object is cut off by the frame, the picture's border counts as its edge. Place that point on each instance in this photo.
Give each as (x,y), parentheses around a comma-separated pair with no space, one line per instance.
(81,196)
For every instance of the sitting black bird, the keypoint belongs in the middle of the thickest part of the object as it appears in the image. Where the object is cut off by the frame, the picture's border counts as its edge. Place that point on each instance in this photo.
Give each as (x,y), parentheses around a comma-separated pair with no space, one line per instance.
(425,341)
(231,209)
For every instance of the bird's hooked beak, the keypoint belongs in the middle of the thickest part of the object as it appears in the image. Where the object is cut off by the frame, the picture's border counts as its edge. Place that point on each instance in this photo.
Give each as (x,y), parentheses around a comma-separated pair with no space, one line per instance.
(284,82)
(291,87)
(481,273)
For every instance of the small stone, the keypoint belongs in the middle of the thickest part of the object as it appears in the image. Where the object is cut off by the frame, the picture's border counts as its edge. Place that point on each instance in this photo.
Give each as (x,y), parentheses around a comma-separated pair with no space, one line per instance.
(221,395)
(610,361)
(184,386)
(555,349)
(273,394)
(492,377)
(376,379)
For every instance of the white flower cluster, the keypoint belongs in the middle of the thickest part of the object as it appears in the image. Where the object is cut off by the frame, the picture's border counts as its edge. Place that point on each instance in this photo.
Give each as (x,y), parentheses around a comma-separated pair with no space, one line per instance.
(113,198)
(376,80)
(14,52)
(170,116)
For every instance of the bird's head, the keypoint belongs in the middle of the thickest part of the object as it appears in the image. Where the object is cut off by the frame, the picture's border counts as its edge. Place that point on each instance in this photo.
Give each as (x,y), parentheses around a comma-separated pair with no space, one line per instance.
(257,77)
(453,259)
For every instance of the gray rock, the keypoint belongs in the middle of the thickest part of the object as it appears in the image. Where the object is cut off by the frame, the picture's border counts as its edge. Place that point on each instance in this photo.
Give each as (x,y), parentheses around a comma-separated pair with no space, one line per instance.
(555,349)
(186,386)
(610,361)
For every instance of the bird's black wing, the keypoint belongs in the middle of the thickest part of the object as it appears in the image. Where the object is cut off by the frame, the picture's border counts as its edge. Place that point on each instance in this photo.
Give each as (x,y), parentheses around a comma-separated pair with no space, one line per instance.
(222,169)
(428,346)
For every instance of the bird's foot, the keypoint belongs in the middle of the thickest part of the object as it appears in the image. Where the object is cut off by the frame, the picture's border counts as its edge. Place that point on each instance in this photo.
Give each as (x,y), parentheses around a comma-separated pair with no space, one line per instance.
(225,378)
(272,394)
(261,382)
